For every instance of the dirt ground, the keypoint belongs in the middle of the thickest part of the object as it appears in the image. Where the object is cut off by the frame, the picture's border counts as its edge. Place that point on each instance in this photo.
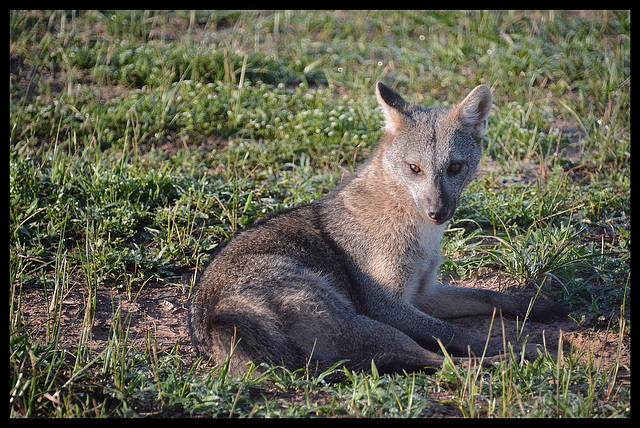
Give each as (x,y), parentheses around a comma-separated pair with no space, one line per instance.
(161,310)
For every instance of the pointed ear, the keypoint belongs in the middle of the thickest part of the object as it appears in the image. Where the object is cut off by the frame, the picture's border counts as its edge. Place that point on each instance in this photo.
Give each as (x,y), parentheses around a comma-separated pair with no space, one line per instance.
(474,110)
(393,106)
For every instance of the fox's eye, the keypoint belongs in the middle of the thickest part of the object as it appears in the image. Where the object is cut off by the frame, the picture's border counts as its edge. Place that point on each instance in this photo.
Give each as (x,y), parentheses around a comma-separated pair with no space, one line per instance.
(415,168)
(454,168)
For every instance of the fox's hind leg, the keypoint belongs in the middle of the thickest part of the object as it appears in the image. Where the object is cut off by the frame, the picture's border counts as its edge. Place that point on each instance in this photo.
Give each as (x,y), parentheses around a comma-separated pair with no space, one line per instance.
(306,323)
(391,350)
(318,345)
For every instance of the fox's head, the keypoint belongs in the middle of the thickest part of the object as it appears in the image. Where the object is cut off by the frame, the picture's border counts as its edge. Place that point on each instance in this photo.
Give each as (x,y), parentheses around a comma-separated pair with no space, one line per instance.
(433,153)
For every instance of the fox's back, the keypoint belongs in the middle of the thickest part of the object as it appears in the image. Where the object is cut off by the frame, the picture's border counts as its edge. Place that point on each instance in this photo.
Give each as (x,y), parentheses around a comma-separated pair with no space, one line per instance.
(296,236)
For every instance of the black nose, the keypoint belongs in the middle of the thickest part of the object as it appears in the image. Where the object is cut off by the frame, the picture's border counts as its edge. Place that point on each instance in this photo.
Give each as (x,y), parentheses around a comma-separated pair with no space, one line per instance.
(438,213)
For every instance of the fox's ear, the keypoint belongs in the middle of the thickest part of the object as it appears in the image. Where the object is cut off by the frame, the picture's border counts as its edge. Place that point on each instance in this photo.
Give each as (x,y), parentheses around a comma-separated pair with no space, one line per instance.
(474,110)
(393,107)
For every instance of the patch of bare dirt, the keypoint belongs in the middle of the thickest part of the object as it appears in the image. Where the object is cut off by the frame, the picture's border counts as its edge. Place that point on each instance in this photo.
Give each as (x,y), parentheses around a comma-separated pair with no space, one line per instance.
(156,312)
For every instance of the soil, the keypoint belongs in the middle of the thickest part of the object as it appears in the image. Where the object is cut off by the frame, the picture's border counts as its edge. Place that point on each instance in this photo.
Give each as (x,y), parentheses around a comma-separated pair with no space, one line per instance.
(160,310)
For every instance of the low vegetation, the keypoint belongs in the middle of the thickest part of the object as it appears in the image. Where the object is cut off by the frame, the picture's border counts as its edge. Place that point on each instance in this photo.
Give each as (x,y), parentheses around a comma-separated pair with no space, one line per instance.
(142,140)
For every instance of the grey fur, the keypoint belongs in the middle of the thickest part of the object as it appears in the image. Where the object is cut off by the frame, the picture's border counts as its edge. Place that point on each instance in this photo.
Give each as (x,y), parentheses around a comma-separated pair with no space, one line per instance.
(353,276)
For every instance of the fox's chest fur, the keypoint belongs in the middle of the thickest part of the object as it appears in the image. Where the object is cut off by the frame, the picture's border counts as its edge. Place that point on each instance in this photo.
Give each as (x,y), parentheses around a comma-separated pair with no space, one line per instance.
(424,261)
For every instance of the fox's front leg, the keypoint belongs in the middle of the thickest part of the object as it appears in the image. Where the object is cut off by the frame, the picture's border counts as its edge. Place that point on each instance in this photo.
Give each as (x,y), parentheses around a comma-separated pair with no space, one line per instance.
(425,329)
(446,301)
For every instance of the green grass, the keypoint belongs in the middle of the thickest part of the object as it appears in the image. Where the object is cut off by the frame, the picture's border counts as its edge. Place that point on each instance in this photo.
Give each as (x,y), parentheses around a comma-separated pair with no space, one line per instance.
(140,141)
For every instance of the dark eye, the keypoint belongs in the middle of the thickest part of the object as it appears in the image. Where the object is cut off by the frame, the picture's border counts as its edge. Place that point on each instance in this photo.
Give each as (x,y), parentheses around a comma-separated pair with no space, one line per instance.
(454,168)
(415,168)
